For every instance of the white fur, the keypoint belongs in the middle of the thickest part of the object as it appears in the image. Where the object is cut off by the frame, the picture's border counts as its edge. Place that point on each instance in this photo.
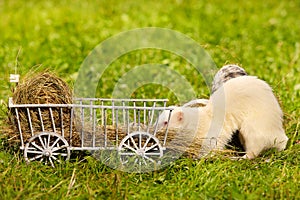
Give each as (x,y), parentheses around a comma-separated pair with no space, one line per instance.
(244,103)
(196,103)
(226,73)
(164,116)
(179,117)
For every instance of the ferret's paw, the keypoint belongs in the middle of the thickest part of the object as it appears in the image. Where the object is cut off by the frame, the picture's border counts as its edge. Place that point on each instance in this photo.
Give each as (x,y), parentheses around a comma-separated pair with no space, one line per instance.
(249,156)
(238,158)
(244,157)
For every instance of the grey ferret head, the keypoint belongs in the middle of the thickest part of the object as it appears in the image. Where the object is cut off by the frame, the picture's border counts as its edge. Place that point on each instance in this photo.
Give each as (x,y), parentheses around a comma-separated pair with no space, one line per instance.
(225,73)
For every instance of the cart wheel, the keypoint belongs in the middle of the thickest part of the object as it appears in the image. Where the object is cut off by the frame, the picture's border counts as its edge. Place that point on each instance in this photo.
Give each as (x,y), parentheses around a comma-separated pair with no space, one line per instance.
(47,147)
(140,151)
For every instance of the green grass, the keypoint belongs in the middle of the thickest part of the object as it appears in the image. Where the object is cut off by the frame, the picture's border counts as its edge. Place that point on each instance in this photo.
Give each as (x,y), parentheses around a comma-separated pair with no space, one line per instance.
(261,37)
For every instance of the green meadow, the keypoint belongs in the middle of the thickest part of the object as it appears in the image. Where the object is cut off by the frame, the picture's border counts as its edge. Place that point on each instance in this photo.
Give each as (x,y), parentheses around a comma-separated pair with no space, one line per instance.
(262,37)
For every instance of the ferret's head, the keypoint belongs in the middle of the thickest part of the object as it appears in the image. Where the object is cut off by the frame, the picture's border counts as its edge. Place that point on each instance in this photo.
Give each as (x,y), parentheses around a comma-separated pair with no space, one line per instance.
(180,117)
(172,118)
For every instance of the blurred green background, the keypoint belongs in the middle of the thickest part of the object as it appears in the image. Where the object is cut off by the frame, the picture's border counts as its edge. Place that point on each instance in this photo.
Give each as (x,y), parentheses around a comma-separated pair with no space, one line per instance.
(262,37)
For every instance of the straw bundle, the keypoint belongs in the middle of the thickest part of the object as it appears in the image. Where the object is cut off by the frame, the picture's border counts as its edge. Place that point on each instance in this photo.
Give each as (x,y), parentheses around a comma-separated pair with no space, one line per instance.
(42,88)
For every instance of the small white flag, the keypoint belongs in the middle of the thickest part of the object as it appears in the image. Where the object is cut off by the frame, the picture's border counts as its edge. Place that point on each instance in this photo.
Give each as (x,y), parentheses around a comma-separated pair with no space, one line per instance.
(14,78)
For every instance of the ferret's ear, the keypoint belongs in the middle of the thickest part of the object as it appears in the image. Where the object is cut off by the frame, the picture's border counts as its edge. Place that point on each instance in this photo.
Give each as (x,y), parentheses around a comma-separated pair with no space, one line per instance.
(202,104)
(196,103)
(179,116)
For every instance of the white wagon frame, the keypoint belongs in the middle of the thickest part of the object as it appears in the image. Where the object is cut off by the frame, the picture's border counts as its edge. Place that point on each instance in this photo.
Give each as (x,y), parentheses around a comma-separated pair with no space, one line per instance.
(52,147)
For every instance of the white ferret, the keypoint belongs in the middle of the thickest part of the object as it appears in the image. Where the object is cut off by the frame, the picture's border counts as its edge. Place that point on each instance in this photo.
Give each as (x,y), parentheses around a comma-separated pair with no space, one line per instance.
(244,103)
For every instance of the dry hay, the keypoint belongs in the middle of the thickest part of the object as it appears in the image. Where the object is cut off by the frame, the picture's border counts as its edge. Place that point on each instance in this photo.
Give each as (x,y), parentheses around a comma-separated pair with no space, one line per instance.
(198,147)
(41,88)
(113,135)
(179,141)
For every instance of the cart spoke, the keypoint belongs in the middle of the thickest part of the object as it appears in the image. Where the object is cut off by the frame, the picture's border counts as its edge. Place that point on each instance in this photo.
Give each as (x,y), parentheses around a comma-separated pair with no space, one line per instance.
(36,152)
(127,154)
(150,159)
(150,148)
(146,143)
(37,146)
(153,154)
(134,144)
(36,157)
(140,141)
(136,160)
(129,147)
(60,154)
(48,142)
(58,148)
(54,143)
(52,164)
(45,142)
(54,158)
(144,161)
(41,140)
(125,161)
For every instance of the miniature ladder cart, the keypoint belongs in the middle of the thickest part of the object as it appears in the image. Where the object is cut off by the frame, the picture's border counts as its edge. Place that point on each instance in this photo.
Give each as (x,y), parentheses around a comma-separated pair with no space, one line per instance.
(49,132)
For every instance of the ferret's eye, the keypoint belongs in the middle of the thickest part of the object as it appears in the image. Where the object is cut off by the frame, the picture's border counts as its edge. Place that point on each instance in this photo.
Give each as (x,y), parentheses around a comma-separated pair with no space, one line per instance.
(165,123)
